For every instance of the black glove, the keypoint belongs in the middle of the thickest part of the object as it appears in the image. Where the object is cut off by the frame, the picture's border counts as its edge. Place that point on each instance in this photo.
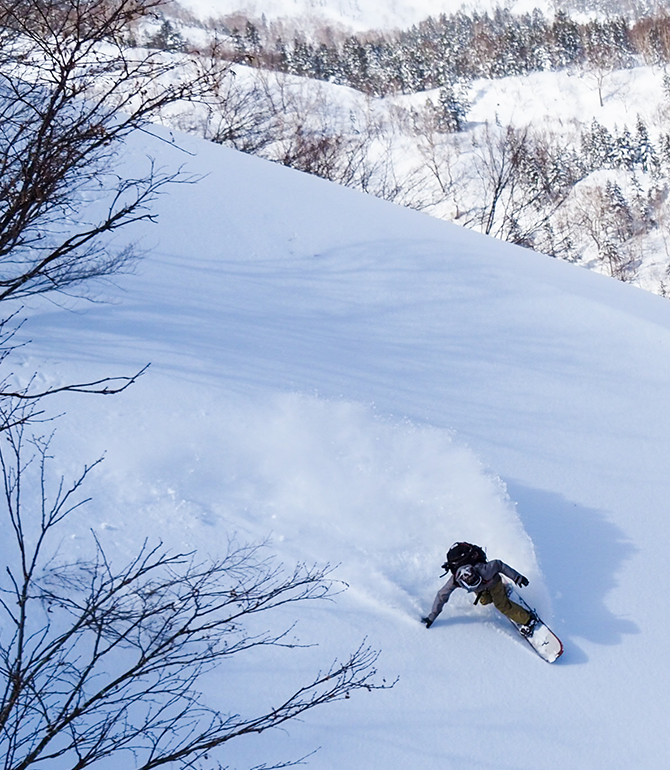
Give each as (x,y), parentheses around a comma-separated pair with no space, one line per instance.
(521,581)
(427,622)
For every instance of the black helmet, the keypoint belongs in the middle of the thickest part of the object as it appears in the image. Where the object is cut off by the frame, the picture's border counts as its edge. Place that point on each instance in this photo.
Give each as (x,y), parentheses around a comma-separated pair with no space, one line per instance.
(463,553)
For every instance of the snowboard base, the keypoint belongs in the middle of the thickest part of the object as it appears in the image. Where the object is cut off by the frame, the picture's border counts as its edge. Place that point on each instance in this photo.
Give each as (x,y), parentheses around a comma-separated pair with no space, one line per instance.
(543,640)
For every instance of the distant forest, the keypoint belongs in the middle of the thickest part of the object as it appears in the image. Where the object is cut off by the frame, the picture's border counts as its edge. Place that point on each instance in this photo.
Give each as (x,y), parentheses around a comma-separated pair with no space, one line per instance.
(440,52)
(593,194)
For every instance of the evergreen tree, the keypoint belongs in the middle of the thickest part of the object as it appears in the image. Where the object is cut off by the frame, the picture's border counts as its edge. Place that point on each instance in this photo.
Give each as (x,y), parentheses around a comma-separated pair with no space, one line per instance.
(354,63)
(646,155)
(598,147)
(626,154)
(252,39)
(281,56)
(450,111)
(437,51)
(239,46)
(567,46)
(168,38)
(301,58)
(665,152)
(620,217)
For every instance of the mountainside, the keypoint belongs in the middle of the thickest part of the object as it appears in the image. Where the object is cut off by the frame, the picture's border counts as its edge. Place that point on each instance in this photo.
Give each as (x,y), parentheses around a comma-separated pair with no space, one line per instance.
(361,15)
(351,14)
(364,385)
(542,130)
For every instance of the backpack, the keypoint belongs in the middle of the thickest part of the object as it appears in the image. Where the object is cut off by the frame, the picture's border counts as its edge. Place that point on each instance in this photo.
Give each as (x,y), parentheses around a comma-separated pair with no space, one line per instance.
(463,553)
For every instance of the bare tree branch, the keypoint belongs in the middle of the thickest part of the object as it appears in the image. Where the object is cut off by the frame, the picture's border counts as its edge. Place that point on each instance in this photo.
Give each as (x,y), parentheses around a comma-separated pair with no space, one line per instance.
(98,661)
(72,88)
(106,386)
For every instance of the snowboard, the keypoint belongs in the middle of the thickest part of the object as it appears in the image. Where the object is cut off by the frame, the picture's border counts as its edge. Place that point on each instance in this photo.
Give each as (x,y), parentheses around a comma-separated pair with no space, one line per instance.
(543,640)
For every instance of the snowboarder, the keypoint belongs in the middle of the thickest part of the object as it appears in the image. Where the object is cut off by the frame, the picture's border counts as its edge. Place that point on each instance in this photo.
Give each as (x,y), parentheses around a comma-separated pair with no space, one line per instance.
(471,571)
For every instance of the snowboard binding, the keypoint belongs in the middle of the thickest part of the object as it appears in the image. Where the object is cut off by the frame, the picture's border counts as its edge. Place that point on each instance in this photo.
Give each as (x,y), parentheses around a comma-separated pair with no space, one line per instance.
(528,629)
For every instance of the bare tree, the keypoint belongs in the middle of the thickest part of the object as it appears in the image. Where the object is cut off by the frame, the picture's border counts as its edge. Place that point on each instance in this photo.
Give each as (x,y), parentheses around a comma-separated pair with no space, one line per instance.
(20,403)
(605,54)
(240,113)
(72,88)
(440,154)
(497,164)
(603,217)
(100,662)
(522,179)
(298,125)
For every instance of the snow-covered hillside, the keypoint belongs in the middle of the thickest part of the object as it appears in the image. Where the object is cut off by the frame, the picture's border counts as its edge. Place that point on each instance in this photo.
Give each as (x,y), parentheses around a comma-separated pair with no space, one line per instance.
(566,153)
(365,385)
(525,165)
(363,15)
(350,14)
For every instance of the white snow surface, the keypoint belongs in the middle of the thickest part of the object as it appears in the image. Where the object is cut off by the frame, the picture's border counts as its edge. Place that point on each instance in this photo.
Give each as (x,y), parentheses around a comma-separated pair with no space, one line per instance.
(365,385)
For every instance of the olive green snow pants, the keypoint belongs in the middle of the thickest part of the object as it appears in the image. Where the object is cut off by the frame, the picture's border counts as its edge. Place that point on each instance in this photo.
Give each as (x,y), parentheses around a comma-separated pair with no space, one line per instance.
(498,595)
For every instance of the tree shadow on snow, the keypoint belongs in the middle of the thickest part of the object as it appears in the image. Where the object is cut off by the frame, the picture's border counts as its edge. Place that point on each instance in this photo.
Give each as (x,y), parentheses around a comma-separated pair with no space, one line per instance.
(580,553)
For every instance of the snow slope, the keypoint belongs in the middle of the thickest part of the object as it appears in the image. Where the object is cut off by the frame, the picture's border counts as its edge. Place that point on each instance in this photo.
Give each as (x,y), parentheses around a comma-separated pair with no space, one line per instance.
(365,385)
